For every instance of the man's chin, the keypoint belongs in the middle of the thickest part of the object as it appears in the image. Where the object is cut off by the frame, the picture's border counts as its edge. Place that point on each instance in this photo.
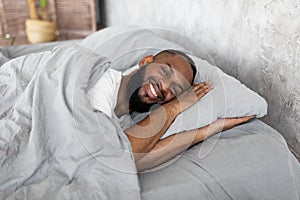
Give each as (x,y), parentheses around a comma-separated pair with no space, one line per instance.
(136,104)
(141,108)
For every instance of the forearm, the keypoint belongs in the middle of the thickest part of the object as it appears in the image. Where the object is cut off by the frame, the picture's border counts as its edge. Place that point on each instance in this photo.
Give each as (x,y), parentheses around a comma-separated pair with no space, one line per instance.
(144,135)
(173,145)
(170,147)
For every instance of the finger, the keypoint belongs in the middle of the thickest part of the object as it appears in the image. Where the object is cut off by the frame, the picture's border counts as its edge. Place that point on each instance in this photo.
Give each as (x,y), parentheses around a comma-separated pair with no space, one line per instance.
(242,120)
(199,84)
(247,118)
(204,85)
(201,90)
(250,117)
(210,85)
(201,93)
(204,89)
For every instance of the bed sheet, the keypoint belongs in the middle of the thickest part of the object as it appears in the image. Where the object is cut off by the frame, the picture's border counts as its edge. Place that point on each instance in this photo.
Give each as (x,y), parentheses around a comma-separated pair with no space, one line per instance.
(250,161)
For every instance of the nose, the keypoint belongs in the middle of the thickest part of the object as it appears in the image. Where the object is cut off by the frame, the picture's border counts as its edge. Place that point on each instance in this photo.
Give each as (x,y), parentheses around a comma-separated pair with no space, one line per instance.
(165,87)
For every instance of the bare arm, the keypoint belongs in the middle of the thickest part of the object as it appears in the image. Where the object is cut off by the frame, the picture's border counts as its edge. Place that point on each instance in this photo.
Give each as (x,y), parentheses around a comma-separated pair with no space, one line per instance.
(144,135)
(173,145)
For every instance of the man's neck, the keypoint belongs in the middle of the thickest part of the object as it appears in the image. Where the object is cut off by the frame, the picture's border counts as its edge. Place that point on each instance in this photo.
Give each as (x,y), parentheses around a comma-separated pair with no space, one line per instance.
(122,106)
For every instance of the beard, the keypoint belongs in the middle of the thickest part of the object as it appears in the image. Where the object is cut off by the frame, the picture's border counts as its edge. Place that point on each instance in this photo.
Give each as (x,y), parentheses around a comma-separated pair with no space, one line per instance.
(132,92)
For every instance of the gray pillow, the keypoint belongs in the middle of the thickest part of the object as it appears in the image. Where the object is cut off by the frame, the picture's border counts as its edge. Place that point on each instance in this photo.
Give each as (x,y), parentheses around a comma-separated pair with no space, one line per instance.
(3,56)
(229,98)
(125,46)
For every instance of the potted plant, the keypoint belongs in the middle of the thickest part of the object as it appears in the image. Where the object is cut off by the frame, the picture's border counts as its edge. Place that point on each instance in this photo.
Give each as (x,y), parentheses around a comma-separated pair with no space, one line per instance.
(38,27)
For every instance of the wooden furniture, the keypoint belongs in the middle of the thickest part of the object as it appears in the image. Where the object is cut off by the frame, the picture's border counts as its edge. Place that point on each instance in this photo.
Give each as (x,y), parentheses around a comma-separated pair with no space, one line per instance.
(74,19)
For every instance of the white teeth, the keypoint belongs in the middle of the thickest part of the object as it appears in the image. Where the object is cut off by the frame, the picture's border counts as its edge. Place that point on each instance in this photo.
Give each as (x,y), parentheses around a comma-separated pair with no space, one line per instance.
(152,90)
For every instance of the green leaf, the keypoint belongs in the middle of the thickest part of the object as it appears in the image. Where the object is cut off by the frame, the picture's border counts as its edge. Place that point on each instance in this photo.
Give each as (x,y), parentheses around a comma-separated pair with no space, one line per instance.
(43,3)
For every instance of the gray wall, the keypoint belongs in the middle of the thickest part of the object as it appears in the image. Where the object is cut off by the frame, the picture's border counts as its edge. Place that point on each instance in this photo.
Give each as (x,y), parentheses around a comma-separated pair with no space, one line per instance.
(257,41)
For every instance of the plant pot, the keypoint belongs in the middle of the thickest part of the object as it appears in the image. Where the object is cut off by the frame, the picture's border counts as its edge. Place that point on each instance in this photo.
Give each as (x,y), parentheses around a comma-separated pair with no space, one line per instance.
(38,31)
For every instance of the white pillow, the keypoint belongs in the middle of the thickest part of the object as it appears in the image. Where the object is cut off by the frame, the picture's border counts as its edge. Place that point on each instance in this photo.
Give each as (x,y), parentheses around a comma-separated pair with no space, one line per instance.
(229,98)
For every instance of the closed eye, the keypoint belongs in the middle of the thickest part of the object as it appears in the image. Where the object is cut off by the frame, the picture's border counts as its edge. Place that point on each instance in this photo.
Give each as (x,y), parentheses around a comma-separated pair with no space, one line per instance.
(164,71)
(174,90)
(177,89)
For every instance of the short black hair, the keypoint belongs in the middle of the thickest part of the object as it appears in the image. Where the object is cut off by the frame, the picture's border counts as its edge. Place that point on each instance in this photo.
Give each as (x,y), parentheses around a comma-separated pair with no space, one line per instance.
(177,52)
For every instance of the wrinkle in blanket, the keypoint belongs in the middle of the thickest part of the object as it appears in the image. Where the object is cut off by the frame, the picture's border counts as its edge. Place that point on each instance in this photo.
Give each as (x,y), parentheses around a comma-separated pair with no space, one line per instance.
(50,138)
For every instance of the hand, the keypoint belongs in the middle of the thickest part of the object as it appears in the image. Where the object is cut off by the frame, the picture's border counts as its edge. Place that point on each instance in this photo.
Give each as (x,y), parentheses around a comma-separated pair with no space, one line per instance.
(190,96)
(224,124)
(229,123)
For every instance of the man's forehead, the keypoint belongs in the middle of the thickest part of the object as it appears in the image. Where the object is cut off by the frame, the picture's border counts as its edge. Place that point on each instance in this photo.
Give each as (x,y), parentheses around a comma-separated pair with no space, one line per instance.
(163,55)
(167,54)
(180,67)
(178,64)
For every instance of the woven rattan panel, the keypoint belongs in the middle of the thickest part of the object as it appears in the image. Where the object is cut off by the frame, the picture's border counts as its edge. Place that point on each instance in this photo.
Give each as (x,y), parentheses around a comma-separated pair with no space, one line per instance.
(76,16)
(73,17)
(13,14)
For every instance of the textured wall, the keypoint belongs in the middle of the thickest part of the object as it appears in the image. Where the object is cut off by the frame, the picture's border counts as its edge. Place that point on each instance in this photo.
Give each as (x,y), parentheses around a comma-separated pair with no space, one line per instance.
(257,41)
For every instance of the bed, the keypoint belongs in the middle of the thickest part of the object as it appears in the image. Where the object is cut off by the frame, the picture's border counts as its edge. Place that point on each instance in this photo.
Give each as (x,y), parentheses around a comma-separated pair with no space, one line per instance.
(250,161)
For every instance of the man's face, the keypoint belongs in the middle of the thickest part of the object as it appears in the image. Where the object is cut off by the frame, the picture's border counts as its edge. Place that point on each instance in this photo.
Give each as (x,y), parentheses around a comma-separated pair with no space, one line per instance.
(159,82)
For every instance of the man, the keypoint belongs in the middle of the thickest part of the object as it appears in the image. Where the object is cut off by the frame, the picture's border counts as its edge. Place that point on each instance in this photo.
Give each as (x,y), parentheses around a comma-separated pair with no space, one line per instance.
(165,79)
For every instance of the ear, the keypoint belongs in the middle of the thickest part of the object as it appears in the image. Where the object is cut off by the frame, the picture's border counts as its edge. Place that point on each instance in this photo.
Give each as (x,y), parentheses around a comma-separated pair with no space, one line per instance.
(146,60)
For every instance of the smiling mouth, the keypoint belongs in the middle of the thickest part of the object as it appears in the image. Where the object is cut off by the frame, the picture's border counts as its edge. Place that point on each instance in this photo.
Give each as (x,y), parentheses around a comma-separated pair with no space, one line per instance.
(153,91)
